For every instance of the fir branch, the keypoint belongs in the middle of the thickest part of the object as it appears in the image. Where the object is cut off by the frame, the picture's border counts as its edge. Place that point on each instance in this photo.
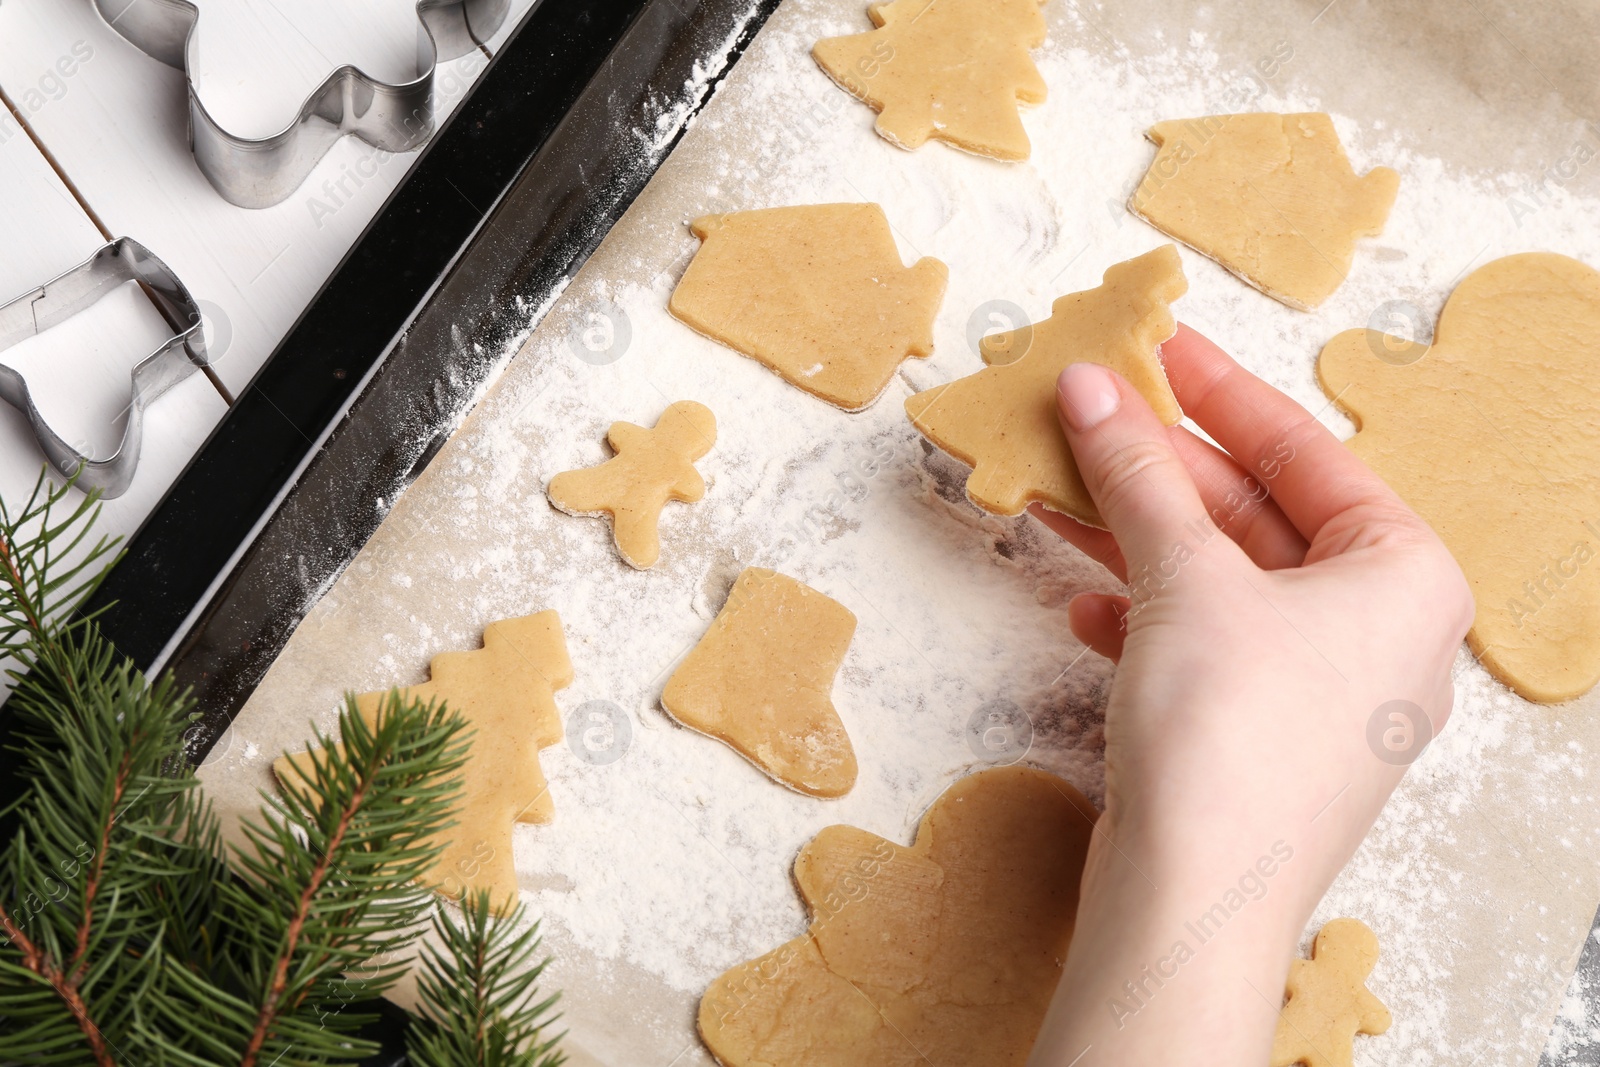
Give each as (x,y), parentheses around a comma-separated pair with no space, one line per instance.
(98,817)
(104,830)
(132,937)
(478,994)
(37,590)
(325,896)
(35,962)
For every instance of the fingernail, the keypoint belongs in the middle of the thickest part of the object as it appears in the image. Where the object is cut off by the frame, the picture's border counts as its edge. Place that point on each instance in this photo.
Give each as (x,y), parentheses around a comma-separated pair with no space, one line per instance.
(1088,394)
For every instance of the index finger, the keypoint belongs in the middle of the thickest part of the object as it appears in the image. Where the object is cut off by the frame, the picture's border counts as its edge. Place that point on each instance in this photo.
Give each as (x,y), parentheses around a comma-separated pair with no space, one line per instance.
(1309,472)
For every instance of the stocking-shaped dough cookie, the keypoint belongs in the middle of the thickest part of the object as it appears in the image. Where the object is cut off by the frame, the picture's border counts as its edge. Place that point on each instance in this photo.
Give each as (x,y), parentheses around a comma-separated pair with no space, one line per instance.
(1270,197)
(954,70)
(650,468)
(760,681)
(505,692)
(1329,1003)
(817,293)
(950,948)
(1493,435)
(1002,420)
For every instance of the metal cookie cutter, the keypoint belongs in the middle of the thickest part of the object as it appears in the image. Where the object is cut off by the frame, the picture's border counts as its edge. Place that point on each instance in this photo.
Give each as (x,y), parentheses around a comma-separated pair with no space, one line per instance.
(260,172)
(123,260)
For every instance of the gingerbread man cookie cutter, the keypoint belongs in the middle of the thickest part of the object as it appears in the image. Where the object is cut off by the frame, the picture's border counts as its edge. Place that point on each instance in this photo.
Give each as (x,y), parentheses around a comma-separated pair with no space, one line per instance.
(112,265)
(262,171)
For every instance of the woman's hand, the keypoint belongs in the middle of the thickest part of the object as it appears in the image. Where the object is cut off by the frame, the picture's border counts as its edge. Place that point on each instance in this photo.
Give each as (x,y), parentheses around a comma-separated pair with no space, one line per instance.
(1284,652)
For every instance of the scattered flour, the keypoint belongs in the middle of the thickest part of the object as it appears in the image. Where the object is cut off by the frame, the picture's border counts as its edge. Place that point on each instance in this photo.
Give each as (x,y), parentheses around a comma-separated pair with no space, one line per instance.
(680,114)
(1575,1038)
(672,863)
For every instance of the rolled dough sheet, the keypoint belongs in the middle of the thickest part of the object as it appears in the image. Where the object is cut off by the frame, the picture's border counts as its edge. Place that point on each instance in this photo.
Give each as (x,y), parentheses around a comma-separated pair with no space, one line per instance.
(669,865)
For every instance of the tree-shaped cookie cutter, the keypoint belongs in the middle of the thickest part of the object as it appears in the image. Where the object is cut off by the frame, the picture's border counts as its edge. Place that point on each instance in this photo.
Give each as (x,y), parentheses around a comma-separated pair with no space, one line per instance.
(260,172)
(113,265)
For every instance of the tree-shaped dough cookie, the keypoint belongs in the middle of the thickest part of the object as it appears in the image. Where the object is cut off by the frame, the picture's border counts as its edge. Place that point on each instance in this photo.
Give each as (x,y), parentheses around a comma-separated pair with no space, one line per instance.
(1002,420)
(1493,435)
(954,70)
(505,692)
(650,468)
(760,681)
(1329,1002)
(816,292)
(950,948)
(1270,197)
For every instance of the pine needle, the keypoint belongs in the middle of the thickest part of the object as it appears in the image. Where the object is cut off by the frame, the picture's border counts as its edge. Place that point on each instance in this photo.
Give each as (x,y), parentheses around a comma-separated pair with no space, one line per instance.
(480,1005)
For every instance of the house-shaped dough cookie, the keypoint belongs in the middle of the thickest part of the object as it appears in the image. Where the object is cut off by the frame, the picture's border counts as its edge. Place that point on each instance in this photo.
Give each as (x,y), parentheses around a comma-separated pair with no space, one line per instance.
(1270,197)
(816,292)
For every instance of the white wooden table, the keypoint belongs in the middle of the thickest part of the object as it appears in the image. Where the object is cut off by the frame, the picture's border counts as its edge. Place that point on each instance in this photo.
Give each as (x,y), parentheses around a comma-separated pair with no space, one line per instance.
(94,144)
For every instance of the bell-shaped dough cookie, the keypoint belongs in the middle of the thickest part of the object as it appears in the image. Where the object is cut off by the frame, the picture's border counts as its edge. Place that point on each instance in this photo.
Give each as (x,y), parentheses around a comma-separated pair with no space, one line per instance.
(1329,1002)
(953,70)
(1492,434)
(760,681)
(817,293)
(954,944)
(506,693)
(650,468)
(1270,197)
(1002,420)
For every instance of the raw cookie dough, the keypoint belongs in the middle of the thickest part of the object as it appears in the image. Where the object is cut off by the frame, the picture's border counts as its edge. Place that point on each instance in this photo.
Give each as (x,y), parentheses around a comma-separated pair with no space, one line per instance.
(759,680)
(1493,435)
(650,468)
(1329,1002)
(952,946)
(816,292)
(1002,420)
(954,70)
(1270,197)
(505,692)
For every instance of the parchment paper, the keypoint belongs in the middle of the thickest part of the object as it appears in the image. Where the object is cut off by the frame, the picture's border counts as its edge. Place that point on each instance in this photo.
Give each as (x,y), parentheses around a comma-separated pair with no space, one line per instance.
(1481,880)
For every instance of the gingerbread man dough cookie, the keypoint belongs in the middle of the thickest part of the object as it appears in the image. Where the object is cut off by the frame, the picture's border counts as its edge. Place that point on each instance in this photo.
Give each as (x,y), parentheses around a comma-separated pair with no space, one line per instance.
(954,70)
(760,679)
(1329,1002)
(816,292)
(1492,434)
(1270,197)
(1002,420)
(650,468)
(954,944)
(506,694)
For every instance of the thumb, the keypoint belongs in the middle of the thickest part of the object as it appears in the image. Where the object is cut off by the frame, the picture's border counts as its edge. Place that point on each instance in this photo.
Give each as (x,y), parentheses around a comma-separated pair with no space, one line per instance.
(1142,488)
